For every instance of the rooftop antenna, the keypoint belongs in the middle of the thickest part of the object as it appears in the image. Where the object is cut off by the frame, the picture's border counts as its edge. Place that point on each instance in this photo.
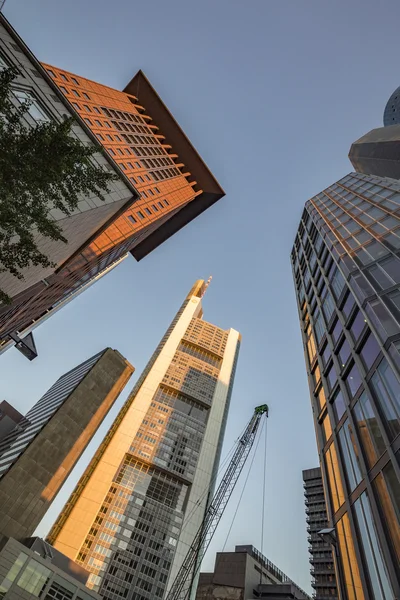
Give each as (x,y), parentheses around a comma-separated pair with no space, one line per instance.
(206,286)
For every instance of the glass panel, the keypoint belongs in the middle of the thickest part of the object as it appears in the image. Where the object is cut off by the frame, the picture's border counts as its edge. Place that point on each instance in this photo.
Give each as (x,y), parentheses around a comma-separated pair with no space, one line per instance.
(384,317)
(372,551)
(348,305)
(357,325)
(392,267)
(321,399)
(369,430)
(351,573)
(310,344)
(326,428)
(344,353)
(350,454)
(387,389)
(331,377)
(335,481)
(12,574)
(34,108)
(353,380)
(388,487)
(326,354)
(34,578)
(369,351)
(337,330)
(339,406)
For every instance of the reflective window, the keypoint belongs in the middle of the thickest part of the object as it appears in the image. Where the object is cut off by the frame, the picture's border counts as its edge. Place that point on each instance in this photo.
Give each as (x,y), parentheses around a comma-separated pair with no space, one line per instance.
(353,380)
(331,377)
(387,389)
(339,406)
(350,454)
(368,429)
(337,282)
(388,487)
(344,353)
(335,481)
(326,354)
(310,343)
(357,325)
(348,305)
(382,318)
(326,428)
(327,305)
(321,399)
(34,578)
(35,110)
(316,376)
(392,267)
(349,560)
(319,327)
(369,541)
(369,351)
(12,574)
(337,330)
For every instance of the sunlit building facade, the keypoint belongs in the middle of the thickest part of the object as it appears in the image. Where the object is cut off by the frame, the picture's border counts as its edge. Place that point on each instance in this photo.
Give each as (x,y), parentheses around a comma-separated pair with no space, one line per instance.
(346,269)
(136,509)
(40,451)
(164,183)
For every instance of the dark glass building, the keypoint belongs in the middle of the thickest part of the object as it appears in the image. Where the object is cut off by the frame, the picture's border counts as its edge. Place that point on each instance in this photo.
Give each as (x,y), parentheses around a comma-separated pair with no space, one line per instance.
(321,558)
(346,268)
(391,116)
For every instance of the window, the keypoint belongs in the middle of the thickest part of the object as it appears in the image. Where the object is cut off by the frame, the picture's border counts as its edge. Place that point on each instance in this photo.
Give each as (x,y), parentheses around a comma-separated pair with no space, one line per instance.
(76,106)
(141,215)
(337,330)
(12,574)
(344,353)
(369,541)
(331,377)
(60,589)
(50,72)
(326,428)
(34,578)
(88,121)
(319,327)
(339,406)
(133,180)
(334,479)
(86,107)
(140,179)
(387,390)
(63,77)
(350,454)
(349,560)
(357,326)
(353,380)
(368,429)
(96,110)
(321,399)
(144,194)
(75,93)
(100,137)
(388,487)
(85,95)
(75,81)
(35,110)
(337,282)
(154,207)
(369,351)
(166,202)
(63,89)
(111,151)
(160,205)
(148,211)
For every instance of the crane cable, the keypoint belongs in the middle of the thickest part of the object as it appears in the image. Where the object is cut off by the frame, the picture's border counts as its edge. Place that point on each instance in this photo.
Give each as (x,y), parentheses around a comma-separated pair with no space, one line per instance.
(244,484)
(263,495)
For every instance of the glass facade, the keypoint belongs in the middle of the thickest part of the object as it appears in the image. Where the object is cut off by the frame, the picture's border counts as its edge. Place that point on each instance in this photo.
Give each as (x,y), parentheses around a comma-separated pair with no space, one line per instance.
(346,268)
(147,483)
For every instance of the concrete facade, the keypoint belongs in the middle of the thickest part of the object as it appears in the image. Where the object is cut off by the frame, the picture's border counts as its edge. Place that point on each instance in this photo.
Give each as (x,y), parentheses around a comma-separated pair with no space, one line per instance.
(246,574)
(35,465)
(35,569)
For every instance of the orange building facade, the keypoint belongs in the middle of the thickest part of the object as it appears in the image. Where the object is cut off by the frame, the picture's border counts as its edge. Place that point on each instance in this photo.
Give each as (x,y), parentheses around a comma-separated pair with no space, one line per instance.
(152,151)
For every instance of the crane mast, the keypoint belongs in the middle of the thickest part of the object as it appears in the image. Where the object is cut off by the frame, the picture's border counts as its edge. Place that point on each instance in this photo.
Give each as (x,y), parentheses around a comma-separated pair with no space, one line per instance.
(181,587)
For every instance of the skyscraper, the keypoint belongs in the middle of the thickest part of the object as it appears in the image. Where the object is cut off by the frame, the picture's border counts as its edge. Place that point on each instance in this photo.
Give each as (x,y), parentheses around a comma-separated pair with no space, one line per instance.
(39,453)
(140,502)
(166,181)
(321,558)
(346,269)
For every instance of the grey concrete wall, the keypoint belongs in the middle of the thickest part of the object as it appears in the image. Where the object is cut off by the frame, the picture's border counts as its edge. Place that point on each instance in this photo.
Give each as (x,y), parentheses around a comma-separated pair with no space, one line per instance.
(31,484)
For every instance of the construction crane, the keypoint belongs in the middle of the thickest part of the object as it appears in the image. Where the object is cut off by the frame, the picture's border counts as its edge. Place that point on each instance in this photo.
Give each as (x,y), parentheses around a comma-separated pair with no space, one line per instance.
(182,585)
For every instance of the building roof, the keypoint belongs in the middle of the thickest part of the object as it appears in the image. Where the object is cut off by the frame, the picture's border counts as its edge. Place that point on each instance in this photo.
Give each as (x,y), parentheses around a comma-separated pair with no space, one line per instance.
(211,191)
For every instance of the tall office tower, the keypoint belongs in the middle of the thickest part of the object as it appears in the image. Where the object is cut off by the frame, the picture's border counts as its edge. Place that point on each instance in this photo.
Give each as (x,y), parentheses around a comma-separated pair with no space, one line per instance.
(169,185)
(9,418)
(346,269)
(140,502)
(37,456)
(321,557)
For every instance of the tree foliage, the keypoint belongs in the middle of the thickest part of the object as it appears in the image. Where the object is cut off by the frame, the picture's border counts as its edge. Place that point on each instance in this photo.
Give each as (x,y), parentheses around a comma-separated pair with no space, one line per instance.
(41,168)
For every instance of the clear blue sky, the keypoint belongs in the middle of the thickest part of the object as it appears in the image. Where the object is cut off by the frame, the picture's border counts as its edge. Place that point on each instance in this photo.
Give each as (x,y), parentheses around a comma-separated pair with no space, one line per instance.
(271,93)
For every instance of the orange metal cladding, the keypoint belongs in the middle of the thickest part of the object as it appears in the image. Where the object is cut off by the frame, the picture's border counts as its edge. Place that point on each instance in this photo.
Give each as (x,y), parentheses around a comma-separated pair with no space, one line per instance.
(163,187)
